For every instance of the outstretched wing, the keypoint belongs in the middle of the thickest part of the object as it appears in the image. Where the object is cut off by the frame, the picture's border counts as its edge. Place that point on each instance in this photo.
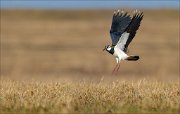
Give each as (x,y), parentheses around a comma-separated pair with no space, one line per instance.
(130,31)
(120,21)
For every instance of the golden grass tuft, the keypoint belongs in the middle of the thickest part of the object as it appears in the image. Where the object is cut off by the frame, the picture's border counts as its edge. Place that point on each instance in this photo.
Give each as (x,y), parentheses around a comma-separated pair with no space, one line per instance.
(65,97)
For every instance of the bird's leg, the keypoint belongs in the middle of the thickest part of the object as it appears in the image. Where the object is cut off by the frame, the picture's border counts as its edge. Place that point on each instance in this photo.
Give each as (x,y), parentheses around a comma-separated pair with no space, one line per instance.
(118,67)
(114,69)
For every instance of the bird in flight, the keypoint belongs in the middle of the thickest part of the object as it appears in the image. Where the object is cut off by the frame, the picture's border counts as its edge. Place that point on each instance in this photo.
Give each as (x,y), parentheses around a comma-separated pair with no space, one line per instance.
(123,30)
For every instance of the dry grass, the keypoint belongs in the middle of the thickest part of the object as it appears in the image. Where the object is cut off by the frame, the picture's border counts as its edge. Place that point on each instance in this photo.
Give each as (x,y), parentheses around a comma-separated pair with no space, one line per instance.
(64,97)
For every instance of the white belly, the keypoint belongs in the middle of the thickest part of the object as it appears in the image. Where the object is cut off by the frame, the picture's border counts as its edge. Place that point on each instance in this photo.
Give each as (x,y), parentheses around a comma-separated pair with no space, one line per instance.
(120,54)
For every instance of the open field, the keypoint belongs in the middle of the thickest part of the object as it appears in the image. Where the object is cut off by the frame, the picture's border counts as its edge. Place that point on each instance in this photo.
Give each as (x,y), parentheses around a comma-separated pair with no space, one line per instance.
(52,61)
(118,97)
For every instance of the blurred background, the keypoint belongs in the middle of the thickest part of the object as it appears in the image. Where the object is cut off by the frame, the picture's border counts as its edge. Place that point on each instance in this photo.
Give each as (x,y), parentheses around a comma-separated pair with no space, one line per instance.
(63,40)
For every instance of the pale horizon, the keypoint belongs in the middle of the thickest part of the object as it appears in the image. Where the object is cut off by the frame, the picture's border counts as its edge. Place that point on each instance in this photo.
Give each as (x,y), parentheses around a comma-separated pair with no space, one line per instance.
(88,4)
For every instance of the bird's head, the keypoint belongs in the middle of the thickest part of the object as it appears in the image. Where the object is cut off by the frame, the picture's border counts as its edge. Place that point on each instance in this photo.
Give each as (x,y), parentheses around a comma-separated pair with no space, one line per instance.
(107,48)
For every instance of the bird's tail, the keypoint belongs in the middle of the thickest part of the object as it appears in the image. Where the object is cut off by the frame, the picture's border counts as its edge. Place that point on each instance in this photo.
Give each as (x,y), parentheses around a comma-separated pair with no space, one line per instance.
(133,58)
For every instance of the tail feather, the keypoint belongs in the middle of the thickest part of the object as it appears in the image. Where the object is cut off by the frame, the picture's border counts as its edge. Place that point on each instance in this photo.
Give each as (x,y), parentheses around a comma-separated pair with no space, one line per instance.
(133,58)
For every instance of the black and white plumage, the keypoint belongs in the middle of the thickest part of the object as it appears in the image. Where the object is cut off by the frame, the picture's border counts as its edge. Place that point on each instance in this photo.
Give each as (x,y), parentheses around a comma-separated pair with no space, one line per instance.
(123,30)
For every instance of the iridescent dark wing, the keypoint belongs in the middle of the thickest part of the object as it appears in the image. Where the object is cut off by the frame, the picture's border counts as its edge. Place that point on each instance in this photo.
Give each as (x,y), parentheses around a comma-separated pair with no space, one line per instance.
(120,21)
(130,31)
(133,26)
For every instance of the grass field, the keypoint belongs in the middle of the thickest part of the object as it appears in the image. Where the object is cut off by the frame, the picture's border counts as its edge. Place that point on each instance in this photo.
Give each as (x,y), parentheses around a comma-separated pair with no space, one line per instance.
(64,97)
(52,61)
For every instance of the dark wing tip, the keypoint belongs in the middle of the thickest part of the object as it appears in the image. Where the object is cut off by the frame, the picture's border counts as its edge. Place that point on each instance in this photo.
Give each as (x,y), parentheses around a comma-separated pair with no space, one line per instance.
(120,13)
(138,14)
(134,25)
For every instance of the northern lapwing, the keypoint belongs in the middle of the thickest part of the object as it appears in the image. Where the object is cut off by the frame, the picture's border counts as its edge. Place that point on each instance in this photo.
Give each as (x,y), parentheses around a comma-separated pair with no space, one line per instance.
(123,30)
